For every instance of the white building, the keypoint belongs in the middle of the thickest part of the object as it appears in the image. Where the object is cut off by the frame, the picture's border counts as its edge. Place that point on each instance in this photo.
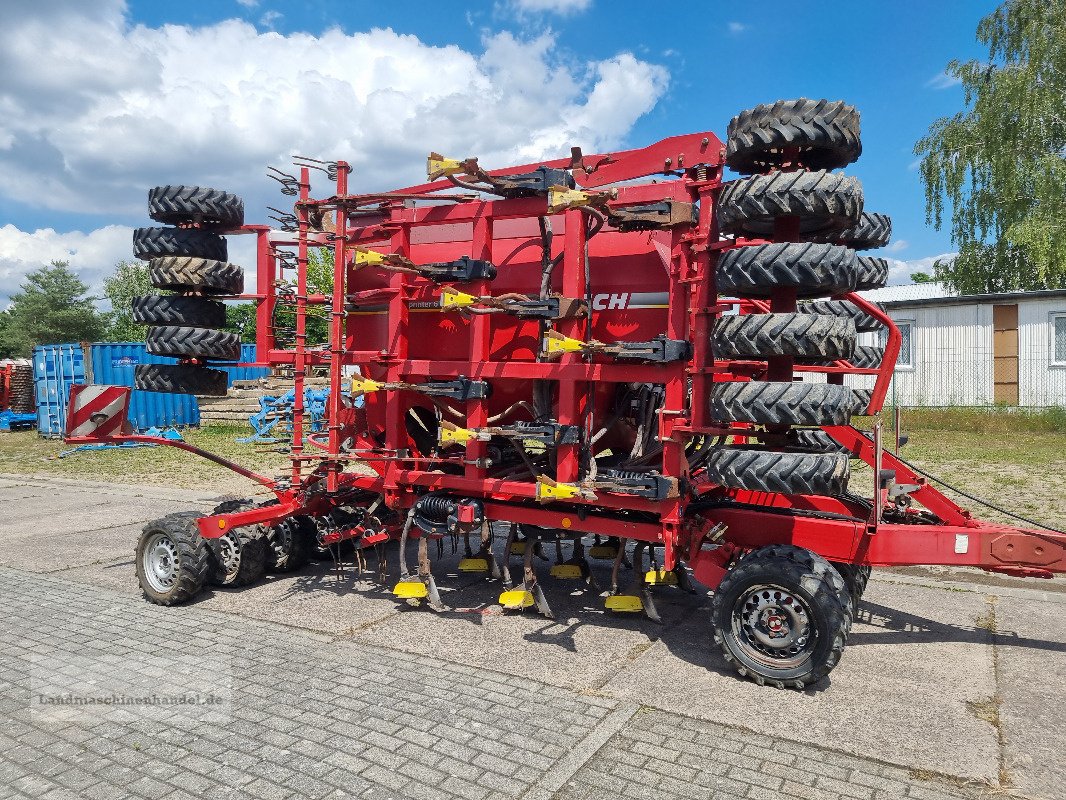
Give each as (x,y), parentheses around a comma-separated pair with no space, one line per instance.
(975,350)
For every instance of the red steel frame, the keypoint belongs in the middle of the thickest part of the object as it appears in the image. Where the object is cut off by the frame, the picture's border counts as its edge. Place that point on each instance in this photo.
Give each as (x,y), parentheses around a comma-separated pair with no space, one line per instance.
(690,526)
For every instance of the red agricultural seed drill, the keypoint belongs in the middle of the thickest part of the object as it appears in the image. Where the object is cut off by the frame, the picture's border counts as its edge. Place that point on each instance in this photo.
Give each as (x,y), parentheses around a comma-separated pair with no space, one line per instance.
(622,348)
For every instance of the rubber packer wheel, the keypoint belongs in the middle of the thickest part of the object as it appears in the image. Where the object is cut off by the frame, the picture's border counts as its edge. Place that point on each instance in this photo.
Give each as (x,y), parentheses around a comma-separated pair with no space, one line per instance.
(172,560)
(826,134)
(182,274)
(861,399)
(180,379)
(842,308)
(870,232)
(813,270)
(803,335)
(154,242)
(288,544)
(780,403)
(758,470)
(871,272)
(814,440)
(779,618)
(176,310)
(866,357)
(854,582)
(240,555)
(823,202)
(182,205)
(185,342)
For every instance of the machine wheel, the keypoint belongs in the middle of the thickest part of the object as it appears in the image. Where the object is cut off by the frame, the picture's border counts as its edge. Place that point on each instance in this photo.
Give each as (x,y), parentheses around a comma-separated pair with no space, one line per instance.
(180,379)
(758,470)
(780,403)
(826,134)
(871,272)
(242,552)
(153,242)
(172,560)
(823,201)
(814,440)
(842,308)
(814,270)
(288,544)
(866,357)
(870,232)
(176,310)
(185,342)
(861,401)
(803,335)
(206,275)
(182,205)
(779,618)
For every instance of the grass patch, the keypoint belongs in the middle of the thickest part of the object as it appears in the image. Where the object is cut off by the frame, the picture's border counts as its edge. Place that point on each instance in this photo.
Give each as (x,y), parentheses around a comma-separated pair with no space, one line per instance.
(984,419)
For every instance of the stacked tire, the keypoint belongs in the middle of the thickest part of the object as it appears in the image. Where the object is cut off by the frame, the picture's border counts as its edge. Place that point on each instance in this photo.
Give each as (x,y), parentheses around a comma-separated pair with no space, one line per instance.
(788,152)
(190,258)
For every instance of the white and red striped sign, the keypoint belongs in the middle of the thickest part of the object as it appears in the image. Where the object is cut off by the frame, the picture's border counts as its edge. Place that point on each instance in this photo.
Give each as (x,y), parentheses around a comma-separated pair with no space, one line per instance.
(97,412)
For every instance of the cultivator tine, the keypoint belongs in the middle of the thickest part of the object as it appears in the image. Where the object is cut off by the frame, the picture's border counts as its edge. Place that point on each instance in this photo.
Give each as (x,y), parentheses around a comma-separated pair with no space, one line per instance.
(636,596)
(422,586)
(576,567)
(505,569)
(484,560)
(530,592)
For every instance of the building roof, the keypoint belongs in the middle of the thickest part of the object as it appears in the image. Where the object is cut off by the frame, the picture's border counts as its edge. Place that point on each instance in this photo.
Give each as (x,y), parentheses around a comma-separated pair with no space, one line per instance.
(936,294)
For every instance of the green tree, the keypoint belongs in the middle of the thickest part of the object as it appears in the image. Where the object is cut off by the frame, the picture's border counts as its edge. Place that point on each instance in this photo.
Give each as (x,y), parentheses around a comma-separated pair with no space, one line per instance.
(129,280)
(240,319)
(922,277)
(1000,164)
(5,351)
(51,307)
(320,271)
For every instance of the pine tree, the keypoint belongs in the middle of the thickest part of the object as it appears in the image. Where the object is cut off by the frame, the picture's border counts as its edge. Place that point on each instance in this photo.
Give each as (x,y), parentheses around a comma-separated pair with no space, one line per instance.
(51,307)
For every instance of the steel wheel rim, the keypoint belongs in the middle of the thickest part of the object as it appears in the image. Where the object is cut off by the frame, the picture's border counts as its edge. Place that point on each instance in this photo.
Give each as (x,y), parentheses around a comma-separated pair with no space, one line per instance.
(160,561)
(773,627)
(230,554)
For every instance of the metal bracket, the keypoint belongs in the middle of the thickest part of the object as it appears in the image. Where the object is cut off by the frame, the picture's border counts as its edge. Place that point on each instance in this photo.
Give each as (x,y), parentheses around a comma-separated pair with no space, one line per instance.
(650,485)
(653,216)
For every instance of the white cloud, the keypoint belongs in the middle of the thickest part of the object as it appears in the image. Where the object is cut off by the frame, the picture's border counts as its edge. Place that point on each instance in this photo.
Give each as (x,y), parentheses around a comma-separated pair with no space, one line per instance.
(249,3)
(899,272)
(897,245)
(561,7)
(737,28)
(269,18)
(129,107)
(942,81)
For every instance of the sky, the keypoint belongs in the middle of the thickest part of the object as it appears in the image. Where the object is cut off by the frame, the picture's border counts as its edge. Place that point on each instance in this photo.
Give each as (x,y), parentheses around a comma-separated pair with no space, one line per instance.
(101,100)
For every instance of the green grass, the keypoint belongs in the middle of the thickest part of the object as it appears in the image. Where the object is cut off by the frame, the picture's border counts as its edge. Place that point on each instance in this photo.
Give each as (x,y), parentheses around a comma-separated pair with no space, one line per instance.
(985,420)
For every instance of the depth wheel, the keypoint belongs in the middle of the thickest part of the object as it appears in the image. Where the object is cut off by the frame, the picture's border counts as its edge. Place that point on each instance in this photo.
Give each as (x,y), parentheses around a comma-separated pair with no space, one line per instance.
(779,619)
(288,543)
(758,470)
(180,379)
(154,242)
(172,560)
(182,205)
(241,555)
(780,403)
(819,134)
(757,336)
(824,202)
(813,270)
(185,342)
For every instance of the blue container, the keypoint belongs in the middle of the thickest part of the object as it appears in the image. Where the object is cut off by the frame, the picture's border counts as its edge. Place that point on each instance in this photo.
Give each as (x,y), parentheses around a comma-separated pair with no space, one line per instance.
(58,366)
(55,368)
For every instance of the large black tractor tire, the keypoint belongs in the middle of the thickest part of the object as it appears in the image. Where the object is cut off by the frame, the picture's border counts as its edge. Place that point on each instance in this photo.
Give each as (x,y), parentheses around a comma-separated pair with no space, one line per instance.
(780,403)
(239,557)
(288,544)
(871,272)
(784,473)
(870,232)
(176,310)
(155,242)
(824,202)
(755,336)
(842,308)
(866,357)
(813,270)
(861,399)
(172,559)
(855,578)
(181,205)
(779,617)
(825,133)
(184,342)
(814,440)
(180,379)
(205,275)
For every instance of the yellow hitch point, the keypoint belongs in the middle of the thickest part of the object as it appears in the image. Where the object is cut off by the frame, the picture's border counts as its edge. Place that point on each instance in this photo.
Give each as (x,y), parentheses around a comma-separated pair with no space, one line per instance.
(451,298)
(561,198)
(449,433)
(365,386)
(556,343)
(548,490)
(516,599)
(368,258)
(437,166)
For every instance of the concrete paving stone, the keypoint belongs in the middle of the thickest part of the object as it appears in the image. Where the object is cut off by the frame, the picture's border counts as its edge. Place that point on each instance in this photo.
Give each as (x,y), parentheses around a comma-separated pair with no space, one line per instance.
(1031,648)
(912,663)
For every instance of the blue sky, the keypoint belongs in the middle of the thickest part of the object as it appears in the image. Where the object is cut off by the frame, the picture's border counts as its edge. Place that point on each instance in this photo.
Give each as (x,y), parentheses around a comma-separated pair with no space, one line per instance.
(145,92)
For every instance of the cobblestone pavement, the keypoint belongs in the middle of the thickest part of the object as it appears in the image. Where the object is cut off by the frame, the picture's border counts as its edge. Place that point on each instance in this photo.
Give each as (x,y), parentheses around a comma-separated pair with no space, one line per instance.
(309,715)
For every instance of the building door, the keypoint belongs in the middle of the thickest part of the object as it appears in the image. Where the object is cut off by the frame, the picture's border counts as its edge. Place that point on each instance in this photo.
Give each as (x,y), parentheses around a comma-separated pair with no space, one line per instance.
(1005,354)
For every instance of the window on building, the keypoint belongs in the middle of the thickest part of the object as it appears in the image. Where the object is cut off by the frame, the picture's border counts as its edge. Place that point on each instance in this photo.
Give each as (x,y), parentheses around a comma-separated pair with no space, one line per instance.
(1058,339)
(905,358)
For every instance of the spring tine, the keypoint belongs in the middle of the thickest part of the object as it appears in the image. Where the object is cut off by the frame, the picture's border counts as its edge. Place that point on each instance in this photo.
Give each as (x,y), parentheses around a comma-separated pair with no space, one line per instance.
(289,185)
(506,569)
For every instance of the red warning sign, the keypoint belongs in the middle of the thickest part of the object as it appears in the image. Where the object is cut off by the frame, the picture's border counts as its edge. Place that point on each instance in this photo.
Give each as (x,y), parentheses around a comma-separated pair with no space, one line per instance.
(97,412)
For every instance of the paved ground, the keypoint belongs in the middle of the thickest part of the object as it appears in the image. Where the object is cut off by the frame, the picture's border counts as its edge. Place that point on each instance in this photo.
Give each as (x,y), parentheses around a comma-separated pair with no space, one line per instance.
(325,688)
